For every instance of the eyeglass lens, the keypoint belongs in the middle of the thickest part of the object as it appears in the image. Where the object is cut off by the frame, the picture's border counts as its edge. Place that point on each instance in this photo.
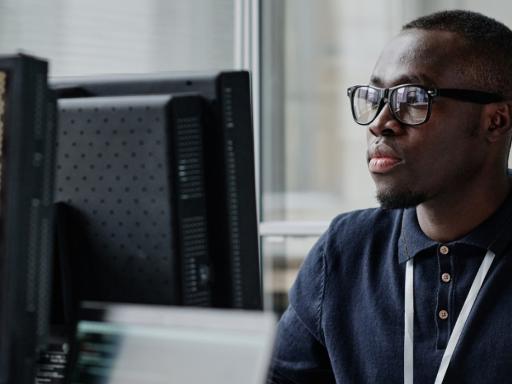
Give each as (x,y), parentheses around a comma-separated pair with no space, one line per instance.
(409,104)
(365,103)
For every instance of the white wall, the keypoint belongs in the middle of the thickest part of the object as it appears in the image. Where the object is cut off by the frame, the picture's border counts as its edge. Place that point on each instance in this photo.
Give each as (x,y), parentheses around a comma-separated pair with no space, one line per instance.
(121,36)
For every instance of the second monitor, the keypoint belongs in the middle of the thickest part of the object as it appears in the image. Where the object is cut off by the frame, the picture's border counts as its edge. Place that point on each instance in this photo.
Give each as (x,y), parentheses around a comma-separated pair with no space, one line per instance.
(155,180)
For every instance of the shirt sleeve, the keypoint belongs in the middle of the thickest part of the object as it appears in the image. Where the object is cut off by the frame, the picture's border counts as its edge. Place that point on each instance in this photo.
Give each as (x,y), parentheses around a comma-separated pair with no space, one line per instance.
(300,356)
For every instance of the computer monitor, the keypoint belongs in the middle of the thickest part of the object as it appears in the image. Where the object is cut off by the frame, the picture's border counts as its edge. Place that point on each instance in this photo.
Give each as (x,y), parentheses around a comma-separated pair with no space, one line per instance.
(133,344)
(155,180)
(26,198)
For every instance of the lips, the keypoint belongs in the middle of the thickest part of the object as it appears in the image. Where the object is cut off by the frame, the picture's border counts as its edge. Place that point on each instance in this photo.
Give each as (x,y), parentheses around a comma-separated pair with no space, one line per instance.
(383,159)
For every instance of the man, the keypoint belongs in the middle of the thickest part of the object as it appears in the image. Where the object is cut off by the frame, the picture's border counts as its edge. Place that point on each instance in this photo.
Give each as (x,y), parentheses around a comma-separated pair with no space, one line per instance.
(419,290)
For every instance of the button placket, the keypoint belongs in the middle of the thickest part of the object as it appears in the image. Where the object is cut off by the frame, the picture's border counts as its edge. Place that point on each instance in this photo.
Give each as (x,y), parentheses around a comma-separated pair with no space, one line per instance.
(444,304)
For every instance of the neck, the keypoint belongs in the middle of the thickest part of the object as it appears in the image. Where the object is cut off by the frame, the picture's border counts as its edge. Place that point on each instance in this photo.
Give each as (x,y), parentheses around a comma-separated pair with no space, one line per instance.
(447,218)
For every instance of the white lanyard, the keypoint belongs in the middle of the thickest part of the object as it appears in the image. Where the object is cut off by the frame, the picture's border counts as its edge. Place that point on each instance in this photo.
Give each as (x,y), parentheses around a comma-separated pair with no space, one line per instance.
(457,329)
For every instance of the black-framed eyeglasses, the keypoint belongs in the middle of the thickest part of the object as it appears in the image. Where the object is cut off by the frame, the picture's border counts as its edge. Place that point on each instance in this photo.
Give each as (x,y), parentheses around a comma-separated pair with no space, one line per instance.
(410,104)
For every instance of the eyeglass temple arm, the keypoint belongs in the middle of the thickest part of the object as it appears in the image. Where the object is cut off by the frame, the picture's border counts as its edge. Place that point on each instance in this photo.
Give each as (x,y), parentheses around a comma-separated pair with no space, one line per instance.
(474,96)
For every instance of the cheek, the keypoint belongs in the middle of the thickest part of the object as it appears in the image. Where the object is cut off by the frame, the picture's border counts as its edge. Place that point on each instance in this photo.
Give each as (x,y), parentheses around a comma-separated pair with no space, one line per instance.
(449,150)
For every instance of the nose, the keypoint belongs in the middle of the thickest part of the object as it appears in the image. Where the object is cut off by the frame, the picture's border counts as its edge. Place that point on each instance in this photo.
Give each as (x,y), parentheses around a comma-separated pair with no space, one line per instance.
(385,123)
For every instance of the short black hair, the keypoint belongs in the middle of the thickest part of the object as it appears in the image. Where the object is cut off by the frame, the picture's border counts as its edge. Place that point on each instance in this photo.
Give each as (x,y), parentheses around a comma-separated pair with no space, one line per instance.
(489,44)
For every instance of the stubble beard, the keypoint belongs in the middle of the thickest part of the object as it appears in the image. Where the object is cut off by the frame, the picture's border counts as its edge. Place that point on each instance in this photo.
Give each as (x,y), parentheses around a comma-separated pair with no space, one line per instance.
(400,199)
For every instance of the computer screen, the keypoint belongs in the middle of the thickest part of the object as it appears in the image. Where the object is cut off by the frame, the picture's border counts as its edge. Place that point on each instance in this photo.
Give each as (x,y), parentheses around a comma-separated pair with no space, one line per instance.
(26,229)
(132,344)
(155,184)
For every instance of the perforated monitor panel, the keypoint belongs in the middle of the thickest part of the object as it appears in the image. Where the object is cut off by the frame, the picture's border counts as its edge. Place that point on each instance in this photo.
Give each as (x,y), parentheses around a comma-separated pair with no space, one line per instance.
(113,170)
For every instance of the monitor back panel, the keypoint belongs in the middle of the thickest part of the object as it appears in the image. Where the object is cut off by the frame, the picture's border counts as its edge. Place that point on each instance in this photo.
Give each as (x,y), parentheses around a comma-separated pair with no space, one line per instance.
(230,173)
(114,176)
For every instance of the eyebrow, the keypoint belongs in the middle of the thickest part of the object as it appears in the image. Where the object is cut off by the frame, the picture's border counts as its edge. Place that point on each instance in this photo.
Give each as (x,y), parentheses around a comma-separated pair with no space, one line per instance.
(405,79)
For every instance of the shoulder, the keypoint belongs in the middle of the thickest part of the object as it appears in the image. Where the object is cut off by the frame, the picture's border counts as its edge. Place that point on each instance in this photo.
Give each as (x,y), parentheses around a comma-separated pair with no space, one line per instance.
(362,225)
(349,238)
(351,230)
(356,237)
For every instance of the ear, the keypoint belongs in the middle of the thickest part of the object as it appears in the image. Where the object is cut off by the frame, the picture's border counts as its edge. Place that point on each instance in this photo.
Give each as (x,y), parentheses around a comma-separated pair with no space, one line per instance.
(497,120)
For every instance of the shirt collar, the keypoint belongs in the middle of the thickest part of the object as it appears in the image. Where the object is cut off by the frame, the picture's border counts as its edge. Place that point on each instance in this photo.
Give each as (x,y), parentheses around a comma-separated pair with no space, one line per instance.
(412,239)
(493,233)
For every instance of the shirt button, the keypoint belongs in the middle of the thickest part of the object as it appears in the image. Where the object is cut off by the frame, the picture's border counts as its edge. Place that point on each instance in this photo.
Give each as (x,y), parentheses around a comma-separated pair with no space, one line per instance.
(445,277)
(443,315)
(444,249)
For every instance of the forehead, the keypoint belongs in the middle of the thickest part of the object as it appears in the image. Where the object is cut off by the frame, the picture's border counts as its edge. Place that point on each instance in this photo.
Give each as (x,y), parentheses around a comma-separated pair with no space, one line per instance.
(418,56)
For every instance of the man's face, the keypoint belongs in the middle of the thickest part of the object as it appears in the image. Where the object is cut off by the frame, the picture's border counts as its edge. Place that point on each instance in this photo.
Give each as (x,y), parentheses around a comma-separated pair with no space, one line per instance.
(411,165)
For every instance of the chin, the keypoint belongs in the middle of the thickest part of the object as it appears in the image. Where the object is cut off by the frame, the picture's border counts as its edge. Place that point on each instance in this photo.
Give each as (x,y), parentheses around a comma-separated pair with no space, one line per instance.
(400,199)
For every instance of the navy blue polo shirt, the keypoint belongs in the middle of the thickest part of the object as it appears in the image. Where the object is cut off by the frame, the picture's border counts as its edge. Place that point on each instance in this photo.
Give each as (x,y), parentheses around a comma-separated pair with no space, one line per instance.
(345,321)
